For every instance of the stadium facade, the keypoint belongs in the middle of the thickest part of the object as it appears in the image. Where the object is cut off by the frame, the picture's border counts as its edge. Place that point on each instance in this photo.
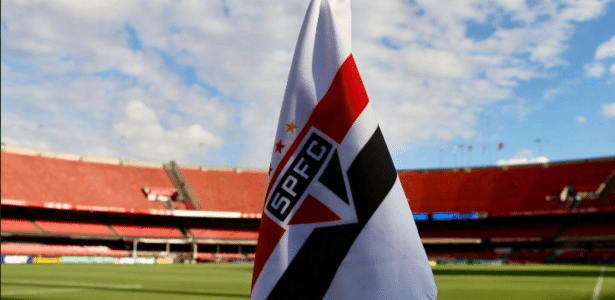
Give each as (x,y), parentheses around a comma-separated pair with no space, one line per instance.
(58,206)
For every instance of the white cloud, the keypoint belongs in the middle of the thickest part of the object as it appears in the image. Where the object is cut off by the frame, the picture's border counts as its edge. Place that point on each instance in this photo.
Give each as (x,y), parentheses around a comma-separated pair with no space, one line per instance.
(583,10)
(581,120)
(551,94)
(608,110)
(206,73)
(594,70)
(91,10)
(435,64)
(606,49)
(146,134)
(612,69)
(138,112)
(523,161)
(522,157)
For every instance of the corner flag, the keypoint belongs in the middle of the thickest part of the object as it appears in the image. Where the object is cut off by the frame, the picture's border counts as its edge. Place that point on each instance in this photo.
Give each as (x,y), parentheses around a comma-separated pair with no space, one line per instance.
(336,223)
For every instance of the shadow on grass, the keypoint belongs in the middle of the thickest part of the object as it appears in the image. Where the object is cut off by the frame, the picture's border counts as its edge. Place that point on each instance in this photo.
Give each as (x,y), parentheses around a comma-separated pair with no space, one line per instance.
(127,290)
(545,273)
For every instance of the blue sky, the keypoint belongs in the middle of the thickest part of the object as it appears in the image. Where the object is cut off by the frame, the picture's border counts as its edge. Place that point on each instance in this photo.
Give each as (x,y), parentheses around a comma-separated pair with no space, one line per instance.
(202,82)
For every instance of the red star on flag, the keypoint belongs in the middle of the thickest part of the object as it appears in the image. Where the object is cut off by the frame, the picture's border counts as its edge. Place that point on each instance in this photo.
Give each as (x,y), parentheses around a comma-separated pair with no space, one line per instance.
(279,146)
(291,127)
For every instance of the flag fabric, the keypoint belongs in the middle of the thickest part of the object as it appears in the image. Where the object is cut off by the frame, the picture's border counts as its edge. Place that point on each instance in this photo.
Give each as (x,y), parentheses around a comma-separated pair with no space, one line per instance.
(336,223)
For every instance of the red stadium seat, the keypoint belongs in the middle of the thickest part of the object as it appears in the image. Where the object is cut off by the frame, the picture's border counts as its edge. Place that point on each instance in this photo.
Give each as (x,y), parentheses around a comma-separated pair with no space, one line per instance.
(228,190)
(96,185)
(75,228)
(224,234)
(142,230)
(59,250)
(18,225)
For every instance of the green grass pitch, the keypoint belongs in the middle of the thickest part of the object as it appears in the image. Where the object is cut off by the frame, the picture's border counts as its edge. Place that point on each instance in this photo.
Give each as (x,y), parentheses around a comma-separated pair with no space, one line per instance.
(232,281)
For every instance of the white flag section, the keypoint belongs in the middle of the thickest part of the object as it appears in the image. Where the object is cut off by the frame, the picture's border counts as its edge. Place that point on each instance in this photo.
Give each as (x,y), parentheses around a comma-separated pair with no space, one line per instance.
(336,223)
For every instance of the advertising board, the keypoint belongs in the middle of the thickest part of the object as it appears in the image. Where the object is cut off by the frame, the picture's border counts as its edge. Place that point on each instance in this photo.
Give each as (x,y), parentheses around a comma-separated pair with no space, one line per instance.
(87,259)
(16,259)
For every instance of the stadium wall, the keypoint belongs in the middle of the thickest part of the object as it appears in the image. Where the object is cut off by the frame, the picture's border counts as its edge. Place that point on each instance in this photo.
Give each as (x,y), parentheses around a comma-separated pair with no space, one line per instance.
(72,182)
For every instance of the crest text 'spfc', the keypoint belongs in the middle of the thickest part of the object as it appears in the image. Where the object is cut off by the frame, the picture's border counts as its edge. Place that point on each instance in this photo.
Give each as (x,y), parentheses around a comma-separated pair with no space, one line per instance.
(298,176)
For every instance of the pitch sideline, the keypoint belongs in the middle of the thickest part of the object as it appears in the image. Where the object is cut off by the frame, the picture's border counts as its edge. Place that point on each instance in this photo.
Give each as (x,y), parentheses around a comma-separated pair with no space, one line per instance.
(599,284)
(83,287)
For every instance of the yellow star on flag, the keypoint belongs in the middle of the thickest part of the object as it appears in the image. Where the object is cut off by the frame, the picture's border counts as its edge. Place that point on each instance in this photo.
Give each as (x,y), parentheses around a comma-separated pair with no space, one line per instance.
(290,127)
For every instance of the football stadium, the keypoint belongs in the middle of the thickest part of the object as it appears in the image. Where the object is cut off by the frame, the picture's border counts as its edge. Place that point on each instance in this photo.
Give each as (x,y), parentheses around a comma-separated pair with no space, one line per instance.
(117,117)
(77,227)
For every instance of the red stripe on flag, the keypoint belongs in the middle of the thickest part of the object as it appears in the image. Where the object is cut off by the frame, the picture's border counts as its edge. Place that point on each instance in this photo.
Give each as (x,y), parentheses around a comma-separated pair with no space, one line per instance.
(335,113)
(269,235)
(342,104)
(313,211)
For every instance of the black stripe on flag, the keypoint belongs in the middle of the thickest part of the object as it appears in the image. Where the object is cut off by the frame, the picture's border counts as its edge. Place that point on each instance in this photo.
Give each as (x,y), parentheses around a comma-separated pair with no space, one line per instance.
(333,178)
(371,176)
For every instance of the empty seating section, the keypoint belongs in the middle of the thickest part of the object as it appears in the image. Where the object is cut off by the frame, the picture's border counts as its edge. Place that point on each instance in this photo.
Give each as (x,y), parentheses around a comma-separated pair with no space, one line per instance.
(584,254)
(463,254)
(571,253)
(220,257)
(230,256)
(205,256)
(59,250)
(183,205)
(72,227)
(144,230)
(497,191)
(596,228)
(532,255)
(469,230)
(501,192)
(490,255)
(40,179)
(18,225)
(229,190)
(224,234)
(601,253)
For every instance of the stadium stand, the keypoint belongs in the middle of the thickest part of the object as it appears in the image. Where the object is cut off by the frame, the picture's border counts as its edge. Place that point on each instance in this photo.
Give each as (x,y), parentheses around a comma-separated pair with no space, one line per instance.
(71,205)
(505,191)
(72,228)
(59,250)
(224,234)
(592,229)
(486,230)
(567,254)
(232,190)
(86,185)
(147,230)
(230,256)
(532,255)
(18,225)
(206,257)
